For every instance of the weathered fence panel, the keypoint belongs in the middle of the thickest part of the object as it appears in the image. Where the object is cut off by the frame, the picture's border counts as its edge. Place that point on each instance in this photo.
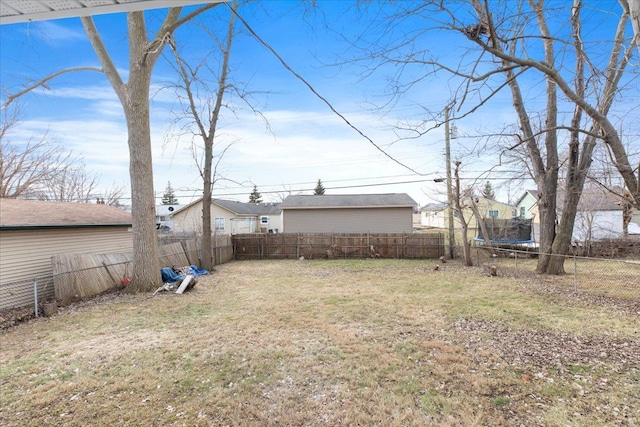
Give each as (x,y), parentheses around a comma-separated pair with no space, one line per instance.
(334,245)
(76,276)
(83,275)
(173,255)
(221,247)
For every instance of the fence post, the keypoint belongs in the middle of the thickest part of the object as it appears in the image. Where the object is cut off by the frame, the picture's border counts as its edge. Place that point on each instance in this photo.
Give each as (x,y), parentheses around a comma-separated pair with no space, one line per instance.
(516,252)
(35,295)
(575,272)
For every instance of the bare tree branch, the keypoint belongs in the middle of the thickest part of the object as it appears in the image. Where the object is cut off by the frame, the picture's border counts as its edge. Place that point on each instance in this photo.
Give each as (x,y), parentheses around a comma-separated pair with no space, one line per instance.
(42,82)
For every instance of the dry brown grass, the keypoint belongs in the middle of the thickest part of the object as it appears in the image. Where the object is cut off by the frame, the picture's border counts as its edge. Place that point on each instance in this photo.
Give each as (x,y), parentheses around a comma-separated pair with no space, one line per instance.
(327,343)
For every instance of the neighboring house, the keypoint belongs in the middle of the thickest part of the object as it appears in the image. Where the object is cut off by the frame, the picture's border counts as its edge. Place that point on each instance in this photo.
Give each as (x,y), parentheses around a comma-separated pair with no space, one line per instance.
(164,220)
(352,213)
(599,214)
(434,215)
(527,208)
(31,232)
(229,217)
(489,209)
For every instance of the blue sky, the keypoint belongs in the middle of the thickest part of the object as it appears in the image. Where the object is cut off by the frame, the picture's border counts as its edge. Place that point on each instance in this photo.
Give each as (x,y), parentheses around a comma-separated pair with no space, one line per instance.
(303,142)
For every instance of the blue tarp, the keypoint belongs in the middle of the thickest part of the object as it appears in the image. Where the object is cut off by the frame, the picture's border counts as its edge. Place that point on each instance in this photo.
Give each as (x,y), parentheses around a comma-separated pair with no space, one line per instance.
(170,276)
(195,271)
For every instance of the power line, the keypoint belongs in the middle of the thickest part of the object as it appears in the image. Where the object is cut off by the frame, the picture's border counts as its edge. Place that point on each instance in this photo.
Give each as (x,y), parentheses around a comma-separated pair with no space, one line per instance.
(312,89)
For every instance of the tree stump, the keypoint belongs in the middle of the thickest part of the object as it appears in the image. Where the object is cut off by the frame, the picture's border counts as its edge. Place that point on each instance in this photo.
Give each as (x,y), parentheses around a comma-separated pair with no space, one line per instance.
(493,270)
(50,309)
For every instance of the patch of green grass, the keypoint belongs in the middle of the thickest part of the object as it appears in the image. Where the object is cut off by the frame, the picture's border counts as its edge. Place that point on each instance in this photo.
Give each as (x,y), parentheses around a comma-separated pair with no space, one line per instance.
(501,401)
(579,369)
(408,386)
(336,300)
(434,403)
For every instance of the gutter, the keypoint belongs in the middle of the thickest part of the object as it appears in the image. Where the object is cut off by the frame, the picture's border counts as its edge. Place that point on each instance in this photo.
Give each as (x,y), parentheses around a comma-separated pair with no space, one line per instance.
(60,226)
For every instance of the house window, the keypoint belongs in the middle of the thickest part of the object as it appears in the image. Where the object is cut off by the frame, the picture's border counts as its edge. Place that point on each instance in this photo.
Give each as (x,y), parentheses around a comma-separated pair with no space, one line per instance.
(219,224)
(494,214)
(264,220)
(522,212)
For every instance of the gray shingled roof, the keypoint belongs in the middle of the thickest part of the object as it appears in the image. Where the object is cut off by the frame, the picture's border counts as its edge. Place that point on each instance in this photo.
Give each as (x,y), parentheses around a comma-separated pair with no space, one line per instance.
(348,201)
(593,199)
(240,208)
(33,213)
(438,206)
(597,199)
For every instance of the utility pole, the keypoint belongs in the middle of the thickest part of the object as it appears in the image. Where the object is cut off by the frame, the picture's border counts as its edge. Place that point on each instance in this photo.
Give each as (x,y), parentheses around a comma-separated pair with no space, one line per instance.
(447,140)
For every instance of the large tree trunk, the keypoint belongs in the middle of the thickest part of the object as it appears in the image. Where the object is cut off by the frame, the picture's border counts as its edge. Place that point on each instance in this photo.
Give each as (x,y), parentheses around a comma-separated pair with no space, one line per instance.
(146,263)
(207,262)
(134,97)
(146,272)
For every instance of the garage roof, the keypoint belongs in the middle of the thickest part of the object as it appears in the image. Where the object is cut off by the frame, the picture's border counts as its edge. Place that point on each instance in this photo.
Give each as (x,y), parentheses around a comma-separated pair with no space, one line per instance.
(390,200)
(26,214)
(14,11)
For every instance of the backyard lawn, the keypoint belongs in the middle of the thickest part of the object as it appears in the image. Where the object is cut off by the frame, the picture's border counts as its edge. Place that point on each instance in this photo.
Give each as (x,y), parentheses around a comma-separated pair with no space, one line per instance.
(328,343)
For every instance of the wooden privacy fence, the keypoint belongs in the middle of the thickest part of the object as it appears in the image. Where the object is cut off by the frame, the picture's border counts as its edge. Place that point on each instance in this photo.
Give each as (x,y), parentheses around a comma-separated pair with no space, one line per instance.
(333,245)
(84,275)
(221,247)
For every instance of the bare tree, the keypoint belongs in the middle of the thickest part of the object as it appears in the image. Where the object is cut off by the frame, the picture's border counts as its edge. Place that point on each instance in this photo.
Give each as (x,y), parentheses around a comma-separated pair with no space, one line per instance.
(279,196)
(26,169)
(39,168)
(206,121)
(134,98)
(632,8)
(459,204)
(43,170)
(504,39)
(113,195)
(72,183)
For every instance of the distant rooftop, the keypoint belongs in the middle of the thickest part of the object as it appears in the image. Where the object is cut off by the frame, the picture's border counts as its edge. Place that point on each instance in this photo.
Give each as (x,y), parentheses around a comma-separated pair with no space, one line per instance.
(34,213)
(348,201)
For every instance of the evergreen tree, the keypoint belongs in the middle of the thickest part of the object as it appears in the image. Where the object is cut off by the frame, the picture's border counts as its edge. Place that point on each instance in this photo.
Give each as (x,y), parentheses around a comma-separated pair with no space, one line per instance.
(255,196)
(169,197)
(487,191)
(319,190)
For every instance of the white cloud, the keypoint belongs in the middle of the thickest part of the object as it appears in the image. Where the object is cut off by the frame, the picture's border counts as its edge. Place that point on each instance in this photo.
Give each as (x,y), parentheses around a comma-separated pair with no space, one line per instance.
(53,33)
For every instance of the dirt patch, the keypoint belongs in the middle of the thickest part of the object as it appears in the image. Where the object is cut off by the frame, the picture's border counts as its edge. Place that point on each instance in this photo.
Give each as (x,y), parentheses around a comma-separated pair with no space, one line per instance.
(15,316)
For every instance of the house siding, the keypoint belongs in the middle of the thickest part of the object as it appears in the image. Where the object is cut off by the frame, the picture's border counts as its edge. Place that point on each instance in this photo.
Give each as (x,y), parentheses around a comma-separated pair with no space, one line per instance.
(433,218)
(26,254)
(348,220)
(597,225)
(189,221)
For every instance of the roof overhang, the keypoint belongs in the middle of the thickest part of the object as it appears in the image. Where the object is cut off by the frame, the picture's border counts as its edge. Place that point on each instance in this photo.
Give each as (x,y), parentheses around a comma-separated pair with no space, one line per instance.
(59,226)
(346,207)
(15,11)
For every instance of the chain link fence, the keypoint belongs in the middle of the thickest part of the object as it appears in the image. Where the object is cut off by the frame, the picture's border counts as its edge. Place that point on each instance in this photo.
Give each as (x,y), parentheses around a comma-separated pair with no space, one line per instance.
(34,291)
(615,278)
(78,276)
